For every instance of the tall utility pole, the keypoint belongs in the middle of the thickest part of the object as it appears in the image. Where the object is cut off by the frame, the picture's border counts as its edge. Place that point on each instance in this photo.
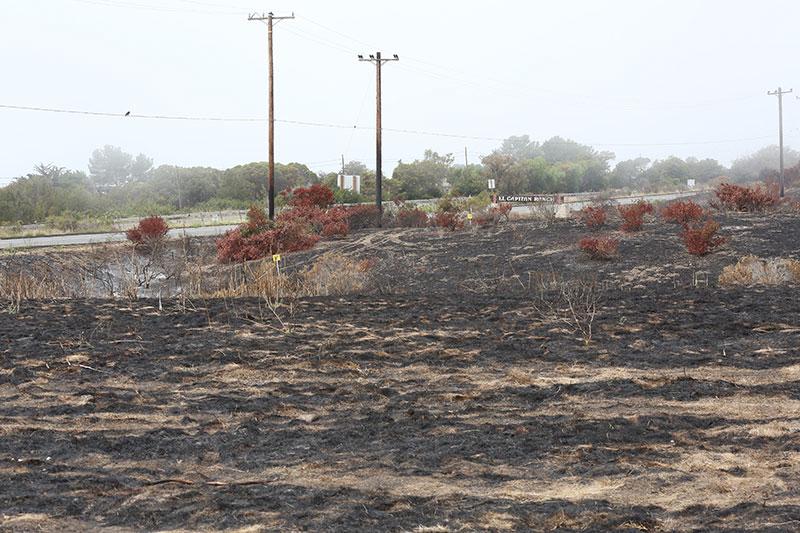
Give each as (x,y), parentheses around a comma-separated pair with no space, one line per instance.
(269,17)
(378,61)
(779,93)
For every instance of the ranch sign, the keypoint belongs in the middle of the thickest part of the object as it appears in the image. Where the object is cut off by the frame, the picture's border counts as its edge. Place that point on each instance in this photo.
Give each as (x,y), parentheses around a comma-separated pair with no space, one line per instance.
(529,199)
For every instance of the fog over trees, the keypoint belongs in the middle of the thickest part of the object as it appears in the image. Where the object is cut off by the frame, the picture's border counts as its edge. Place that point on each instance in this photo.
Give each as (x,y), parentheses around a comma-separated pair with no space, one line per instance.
(118,183)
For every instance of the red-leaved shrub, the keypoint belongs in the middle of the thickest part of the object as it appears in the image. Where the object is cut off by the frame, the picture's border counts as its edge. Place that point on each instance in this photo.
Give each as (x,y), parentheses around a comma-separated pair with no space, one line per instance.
(294,229)
(291,236)
(326,222)
(148,232)
(485,219)
(503,210)
(701,240)
(362,216)
(739,198)
(633,215)
(682,213)
(257,221)
(449,220)
(411,217)
(600,248)
(334,222)
(316,195)
(493,215)
(593,217)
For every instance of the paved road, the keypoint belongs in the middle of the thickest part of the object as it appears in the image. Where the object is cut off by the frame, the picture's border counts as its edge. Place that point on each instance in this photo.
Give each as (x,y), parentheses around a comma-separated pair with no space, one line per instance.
(563,210)
(68,240)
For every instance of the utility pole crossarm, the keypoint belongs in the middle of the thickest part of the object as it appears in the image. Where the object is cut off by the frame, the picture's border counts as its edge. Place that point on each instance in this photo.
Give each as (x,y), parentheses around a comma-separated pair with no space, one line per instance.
(267,16)
(378,61)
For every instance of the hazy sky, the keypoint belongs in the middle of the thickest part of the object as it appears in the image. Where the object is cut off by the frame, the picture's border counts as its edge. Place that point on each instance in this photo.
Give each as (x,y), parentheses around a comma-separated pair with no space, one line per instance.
(652,78)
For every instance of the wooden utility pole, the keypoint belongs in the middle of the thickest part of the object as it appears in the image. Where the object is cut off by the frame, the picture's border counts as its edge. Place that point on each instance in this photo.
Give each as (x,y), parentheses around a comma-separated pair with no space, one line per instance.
(180,192)
(378,61)
(270,18)
(779,93)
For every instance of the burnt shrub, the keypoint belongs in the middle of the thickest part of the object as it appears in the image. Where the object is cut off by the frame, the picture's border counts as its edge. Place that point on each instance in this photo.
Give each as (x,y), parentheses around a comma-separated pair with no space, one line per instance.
(449,213)
(633,215)
(600,248)
(411,217)
(593,216)
(702,239)
(503,210)
(448,220)
(149,232)
(494,215)
(746,199)
(362,216)
(486,219)
(682,213)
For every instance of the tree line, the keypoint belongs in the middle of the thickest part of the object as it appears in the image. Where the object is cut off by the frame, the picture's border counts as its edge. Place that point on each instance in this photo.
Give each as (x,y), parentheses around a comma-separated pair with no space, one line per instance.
(120,184)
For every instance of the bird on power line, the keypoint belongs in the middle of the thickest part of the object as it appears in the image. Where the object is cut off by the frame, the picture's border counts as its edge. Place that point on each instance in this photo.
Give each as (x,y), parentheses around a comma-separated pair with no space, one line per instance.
(128,114)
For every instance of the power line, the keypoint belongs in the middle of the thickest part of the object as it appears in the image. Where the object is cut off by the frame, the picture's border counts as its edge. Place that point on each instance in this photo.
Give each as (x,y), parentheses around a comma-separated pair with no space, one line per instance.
(149,7)
(508,86)
(131,115)
(354,126)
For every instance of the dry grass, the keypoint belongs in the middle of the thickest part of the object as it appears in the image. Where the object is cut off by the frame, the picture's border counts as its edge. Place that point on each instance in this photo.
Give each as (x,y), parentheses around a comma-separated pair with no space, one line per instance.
(332,274)
(753,270)
(36,281)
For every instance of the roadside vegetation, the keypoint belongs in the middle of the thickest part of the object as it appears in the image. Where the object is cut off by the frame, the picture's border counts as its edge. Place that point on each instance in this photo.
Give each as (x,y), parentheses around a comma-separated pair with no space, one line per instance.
(119,184)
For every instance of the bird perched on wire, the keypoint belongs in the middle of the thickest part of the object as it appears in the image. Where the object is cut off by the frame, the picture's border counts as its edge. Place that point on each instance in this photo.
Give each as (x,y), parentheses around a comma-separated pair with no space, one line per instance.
(128,114)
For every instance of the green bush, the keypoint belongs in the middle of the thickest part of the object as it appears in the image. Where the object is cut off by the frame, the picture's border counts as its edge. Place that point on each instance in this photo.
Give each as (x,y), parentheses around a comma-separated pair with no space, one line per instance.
(346,196)
(478,202)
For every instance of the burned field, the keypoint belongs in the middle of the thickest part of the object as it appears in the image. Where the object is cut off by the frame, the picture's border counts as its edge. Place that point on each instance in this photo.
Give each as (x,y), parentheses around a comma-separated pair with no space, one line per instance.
(439,398)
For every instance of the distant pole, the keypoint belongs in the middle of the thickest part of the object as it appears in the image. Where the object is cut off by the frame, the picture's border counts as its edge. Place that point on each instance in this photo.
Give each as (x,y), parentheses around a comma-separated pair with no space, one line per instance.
(779,93)
(342,164)
(180,195)
(269,17)
(378,61)
(466,159)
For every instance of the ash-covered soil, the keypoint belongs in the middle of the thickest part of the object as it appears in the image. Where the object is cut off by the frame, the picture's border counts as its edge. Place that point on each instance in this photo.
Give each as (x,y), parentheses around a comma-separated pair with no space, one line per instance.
(439,401)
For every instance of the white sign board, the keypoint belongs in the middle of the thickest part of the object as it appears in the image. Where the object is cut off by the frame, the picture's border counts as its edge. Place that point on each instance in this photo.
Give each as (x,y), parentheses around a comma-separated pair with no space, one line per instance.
(350,183)
(491,184)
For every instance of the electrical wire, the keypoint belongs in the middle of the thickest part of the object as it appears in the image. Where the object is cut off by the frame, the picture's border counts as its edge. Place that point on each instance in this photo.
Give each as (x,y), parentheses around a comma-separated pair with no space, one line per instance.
(509,86)
(354,126)
(149,7)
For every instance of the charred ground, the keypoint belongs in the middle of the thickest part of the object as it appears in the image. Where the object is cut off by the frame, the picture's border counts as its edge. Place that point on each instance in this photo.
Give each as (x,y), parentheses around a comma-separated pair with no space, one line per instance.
(439,398)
